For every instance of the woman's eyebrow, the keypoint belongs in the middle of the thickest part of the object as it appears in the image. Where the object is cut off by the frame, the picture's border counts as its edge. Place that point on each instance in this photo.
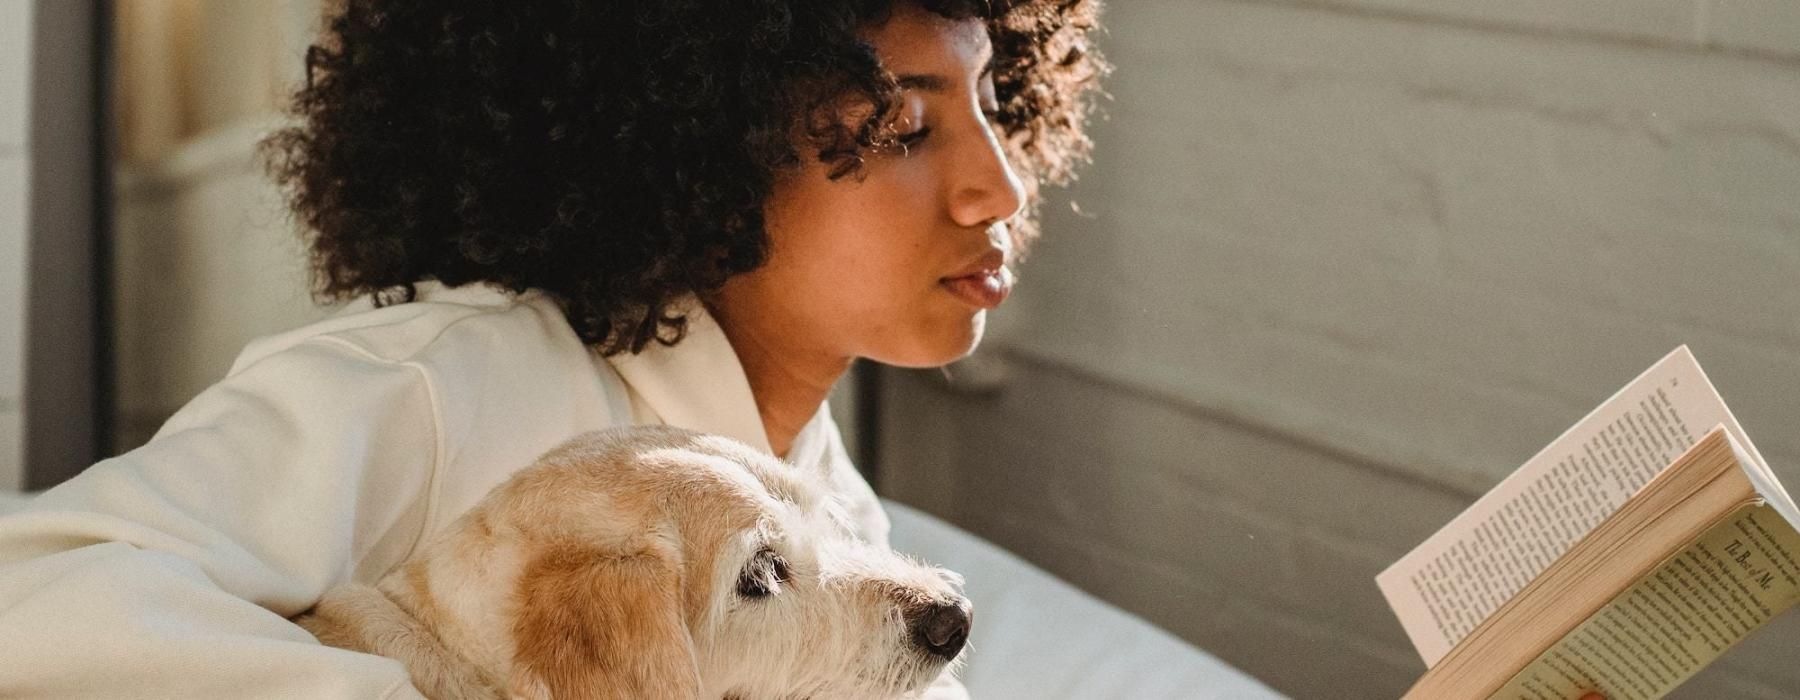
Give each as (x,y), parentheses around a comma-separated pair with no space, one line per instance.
(935,83)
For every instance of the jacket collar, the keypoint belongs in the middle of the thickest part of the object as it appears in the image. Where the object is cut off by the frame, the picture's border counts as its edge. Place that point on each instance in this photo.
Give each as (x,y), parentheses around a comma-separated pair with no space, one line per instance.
(698,384)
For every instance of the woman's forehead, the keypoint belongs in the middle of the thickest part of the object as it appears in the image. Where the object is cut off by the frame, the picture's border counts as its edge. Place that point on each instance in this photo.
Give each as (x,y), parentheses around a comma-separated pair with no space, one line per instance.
(915,40)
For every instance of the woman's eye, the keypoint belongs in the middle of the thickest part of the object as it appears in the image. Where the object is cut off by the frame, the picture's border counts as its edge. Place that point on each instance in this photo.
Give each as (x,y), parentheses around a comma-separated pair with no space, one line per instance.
(763,576)
(915,138)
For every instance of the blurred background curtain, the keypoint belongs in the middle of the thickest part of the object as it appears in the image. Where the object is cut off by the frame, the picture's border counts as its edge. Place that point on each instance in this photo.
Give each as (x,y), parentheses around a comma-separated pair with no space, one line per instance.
(206,256)
(189,67)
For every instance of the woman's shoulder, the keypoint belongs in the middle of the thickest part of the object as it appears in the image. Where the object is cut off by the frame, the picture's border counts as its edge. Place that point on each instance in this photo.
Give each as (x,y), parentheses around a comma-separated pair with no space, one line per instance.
(480,380)
(459,326)
(481,352)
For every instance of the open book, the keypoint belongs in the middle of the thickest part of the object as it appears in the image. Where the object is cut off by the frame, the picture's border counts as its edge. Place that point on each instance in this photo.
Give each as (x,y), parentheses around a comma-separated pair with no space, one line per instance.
(1623,558)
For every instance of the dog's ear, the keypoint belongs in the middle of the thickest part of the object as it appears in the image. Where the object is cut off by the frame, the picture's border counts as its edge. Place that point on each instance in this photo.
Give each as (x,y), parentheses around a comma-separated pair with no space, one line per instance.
(595,624)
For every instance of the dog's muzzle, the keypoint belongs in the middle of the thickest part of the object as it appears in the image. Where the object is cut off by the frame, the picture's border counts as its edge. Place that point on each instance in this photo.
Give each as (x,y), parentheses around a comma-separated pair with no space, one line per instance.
(941,628)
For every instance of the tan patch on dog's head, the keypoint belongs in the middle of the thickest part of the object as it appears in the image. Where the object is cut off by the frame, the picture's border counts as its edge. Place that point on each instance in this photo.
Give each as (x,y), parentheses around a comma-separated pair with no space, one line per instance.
(599,625)
(626,535)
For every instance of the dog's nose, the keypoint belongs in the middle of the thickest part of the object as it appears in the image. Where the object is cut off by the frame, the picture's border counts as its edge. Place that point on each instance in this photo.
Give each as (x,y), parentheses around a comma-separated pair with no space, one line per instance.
(941,628)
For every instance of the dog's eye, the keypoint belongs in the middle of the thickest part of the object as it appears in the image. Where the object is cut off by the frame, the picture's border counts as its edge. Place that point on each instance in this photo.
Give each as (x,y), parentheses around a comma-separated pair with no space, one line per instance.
(763,576)
(752,587)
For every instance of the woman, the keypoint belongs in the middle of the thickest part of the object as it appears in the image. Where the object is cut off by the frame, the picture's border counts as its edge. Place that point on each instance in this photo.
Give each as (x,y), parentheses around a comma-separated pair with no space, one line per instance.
(552,217)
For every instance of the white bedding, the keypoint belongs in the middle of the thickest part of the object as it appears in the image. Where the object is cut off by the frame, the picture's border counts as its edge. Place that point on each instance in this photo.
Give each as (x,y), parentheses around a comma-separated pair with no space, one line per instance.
(1040,638)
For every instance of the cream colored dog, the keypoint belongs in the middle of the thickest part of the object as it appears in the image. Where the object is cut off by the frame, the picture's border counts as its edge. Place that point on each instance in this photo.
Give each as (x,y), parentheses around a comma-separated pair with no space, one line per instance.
(655,563)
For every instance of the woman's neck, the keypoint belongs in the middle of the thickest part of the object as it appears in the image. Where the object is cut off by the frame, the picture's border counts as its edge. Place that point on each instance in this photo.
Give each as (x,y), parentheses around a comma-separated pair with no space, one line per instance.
(789,382)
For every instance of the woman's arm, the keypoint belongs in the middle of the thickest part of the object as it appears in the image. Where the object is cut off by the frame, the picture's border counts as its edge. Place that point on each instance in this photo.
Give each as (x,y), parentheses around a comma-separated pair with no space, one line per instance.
(170,571)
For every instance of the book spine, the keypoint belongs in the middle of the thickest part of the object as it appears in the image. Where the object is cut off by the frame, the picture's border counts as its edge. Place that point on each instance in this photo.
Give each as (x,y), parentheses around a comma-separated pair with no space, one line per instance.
(1742,572)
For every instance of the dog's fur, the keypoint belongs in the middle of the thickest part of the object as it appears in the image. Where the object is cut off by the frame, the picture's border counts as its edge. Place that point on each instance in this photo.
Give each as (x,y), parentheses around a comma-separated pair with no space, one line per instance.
(617,567)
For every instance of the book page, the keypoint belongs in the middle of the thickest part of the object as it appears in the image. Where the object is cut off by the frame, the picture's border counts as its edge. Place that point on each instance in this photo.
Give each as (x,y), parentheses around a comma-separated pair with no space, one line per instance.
(1678,618)
(1446,586)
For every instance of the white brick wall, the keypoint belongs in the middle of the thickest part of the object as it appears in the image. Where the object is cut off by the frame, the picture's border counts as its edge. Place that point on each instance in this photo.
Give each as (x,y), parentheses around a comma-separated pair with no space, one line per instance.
(15,97)
(1323,198)
(1346,264)
(1768,27)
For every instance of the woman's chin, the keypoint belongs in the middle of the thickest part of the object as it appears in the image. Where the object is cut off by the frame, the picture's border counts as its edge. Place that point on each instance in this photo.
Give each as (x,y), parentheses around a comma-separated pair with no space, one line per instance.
(939,346)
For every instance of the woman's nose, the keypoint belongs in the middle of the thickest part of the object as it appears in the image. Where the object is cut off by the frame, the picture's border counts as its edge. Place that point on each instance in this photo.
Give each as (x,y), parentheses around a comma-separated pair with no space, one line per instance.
(987,190)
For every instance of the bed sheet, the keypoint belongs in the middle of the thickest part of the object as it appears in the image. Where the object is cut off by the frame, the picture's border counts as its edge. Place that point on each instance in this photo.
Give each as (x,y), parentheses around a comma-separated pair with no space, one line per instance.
(1038,637)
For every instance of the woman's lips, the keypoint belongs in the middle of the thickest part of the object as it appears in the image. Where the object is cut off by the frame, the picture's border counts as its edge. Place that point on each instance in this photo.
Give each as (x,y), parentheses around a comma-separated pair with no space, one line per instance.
(983,290)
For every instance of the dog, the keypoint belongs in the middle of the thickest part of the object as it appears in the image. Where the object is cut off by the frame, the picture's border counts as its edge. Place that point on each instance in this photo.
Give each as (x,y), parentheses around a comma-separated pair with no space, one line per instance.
(654,562)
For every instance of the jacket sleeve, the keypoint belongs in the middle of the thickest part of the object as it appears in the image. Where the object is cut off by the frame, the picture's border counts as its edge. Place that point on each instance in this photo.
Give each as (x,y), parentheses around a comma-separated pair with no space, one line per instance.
(171,570)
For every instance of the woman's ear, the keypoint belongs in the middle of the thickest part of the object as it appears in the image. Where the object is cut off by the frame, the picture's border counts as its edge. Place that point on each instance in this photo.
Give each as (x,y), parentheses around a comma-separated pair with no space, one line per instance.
(595,624)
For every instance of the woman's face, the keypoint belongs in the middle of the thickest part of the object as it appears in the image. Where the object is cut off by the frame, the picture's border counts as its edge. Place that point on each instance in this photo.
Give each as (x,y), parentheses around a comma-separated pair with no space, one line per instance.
(901,264)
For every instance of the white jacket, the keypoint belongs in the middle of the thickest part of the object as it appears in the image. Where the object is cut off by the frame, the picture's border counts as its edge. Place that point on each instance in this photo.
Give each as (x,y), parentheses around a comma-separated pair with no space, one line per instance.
(327,454)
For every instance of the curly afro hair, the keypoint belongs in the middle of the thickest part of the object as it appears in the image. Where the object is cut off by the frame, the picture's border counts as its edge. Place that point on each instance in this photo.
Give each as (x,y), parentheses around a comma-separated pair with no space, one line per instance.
(617,154)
